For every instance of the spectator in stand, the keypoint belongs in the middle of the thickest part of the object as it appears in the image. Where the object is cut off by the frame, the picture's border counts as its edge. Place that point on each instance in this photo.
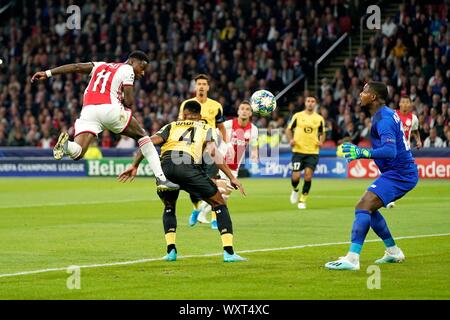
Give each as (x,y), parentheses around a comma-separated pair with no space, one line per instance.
(447,140)
(433,141)
(106,140)
(262,46)
(388,28)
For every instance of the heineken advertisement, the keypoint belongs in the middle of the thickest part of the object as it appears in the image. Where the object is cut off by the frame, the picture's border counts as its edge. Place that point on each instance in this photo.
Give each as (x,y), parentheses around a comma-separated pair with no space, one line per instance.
(112,167)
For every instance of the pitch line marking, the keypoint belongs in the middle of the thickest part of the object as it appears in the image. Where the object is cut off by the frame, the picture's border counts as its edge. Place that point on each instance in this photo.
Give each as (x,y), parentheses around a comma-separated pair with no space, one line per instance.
(112,264)
(62,204)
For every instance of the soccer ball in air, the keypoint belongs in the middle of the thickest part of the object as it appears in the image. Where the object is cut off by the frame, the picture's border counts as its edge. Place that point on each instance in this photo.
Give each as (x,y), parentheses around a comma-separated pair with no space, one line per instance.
(263,102)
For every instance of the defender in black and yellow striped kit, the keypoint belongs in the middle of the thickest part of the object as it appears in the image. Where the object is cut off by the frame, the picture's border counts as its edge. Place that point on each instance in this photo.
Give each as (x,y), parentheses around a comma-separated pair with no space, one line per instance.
(212,113)
(183,143)
(306,133)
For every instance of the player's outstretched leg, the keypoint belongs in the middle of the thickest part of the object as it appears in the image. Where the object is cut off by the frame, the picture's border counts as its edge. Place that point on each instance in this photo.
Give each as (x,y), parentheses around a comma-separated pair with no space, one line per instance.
(170,222)
(74,149)
(393,253)
(306,187)
(135,132)
(225,227)
(295,180)
(361,226)
(369,203)
(225,190)
(226,233)
(60,148)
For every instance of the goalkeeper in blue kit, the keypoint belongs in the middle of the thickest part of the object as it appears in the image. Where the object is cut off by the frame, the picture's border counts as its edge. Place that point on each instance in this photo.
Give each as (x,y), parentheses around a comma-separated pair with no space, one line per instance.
(398,176)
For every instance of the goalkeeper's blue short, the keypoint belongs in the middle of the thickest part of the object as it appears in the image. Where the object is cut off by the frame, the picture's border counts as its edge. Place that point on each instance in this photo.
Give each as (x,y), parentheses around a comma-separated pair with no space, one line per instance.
(393,185)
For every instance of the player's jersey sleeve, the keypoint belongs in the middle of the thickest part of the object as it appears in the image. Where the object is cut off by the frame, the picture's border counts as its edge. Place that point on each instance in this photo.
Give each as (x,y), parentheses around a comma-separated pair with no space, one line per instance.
(220,118)
(96,65)
(164,132)
(293,122)
(321,125)
(126,74)
(254,136)
(415,123)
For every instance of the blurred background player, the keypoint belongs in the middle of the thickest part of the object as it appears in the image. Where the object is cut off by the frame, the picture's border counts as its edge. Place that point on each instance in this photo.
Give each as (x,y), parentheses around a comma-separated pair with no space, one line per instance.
(399,175)
(212,113)
(183,143)
(240,133)
(306,134)
(410,124)
(409,120)
(107,101)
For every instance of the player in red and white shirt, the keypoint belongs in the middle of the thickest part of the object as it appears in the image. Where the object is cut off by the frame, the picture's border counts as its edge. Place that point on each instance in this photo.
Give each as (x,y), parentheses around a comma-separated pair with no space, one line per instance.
(409,120)
(106,105)
(410,124)
(241,133)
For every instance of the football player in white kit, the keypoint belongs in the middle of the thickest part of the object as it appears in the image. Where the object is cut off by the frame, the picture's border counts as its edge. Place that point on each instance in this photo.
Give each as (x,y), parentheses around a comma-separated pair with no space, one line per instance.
(410,124)
(241,132)
(106,105)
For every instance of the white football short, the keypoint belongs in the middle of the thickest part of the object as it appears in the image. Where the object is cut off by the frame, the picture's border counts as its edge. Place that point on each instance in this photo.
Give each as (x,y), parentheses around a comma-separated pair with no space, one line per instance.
(96,118)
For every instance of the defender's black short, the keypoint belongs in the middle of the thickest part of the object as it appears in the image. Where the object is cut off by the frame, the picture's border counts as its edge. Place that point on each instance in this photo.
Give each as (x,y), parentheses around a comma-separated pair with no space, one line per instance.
(210,167)
(301,161)
(191,178)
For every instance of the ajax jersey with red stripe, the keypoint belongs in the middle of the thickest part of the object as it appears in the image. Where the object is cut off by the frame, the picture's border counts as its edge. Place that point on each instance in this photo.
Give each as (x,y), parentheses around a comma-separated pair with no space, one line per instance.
(409,123)
(106,82)
(240,138)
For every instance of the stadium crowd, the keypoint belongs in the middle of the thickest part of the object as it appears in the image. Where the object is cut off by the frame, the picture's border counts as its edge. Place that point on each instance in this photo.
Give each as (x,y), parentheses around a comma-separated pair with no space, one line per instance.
(264,44)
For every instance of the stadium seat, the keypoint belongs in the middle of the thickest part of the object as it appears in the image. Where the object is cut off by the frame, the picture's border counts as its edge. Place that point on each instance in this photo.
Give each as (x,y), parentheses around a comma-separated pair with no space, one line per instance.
(365,144)
(329,144)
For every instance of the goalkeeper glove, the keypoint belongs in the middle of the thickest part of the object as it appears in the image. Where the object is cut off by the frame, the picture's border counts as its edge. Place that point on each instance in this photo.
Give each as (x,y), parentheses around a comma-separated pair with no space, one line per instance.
(352,152)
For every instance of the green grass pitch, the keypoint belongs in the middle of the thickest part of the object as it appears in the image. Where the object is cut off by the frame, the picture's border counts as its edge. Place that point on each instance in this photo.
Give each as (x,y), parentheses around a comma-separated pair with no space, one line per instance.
(55,223)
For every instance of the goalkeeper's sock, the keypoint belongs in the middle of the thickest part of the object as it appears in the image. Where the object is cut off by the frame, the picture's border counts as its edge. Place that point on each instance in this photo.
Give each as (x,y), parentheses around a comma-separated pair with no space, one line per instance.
(380,227)
(361,226)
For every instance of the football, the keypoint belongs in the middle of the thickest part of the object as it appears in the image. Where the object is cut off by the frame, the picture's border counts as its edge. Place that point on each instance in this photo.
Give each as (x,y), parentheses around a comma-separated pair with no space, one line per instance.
(263,102)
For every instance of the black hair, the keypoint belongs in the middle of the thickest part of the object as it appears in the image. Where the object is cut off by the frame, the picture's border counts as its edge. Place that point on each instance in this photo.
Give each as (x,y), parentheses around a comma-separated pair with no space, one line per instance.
(193,106)
(201,76)
(313,96)
(139,55)
(380,89)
